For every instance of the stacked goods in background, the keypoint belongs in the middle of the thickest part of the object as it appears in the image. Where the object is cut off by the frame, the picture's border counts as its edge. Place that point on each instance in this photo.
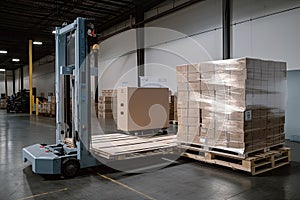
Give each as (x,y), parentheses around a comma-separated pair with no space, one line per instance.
(53,105)
(48,108)
(173,108)
(45,108)
(142,108)
(236,105)
(105,102)
(3,103)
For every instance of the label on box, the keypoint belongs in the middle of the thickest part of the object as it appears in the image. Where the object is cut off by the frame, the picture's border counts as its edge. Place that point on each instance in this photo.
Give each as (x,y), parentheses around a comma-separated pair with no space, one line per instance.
(248,115)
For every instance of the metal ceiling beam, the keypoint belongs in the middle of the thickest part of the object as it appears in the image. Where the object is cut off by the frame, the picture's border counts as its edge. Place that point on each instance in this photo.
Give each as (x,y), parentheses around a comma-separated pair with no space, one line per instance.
(146,6)
(22,5)
(20,28)
(83,7)
(179,7)
(11,34)
(123,1)
(116,4)
(24,17)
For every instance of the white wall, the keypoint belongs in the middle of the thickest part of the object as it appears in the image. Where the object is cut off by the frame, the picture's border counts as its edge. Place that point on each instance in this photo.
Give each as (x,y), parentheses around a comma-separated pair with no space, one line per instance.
(190,35)
(43,76)
(9,82)
(274,37)
(117,61)
(17,80)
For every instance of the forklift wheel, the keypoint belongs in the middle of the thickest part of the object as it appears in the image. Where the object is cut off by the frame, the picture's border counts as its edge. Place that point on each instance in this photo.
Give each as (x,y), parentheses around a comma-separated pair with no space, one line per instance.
(70,167)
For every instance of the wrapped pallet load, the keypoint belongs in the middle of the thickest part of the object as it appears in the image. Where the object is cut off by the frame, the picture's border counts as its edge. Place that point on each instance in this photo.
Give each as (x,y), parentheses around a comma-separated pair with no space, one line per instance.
(236,105)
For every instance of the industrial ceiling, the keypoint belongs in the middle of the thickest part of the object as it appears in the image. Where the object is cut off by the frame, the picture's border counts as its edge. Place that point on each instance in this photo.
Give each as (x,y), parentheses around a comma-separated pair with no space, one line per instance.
(27,19)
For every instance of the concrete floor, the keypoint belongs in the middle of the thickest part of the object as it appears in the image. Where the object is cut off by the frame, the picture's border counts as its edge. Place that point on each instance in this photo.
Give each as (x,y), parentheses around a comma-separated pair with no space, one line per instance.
(186,179)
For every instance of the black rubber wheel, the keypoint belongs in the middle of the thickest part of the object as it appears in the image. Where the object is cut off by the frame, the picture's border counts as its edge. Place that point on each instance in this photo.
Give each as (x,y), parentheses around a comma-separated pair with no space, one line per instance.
(70,167)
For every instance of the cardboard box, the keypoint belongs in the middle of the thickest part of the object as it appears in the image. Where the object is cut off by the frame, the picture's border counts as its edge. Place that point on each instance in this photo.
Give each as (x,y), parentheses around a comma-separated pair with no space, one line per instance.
(105,115)
(142,108)
(108,93)
(53,100)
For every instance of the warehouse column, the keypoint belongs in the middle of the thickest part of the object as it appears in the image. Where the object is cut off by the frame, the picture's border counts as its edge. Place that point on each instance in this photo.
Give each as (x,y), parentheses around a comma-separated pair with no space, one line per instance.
(22,78)
(30,77)
(14,81)
(139,17)
(226,28)
(5,83)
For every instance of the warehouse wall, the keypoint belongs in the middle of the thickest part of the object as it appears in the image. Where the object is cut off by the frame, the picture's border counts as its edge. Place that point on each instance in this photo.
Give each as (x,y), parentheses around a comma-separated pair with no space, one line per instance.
(43,76)
(293,108)
(9,82)
(9,75)
(17,80)
(117,61)
(267,29)
(171,47)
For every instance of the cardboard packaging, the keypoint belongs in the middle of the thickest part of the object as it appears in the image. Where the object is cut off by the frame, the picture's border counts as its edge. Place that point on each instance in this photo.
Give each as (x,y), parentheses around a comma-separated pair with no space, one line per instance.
(237,104)
(142,108)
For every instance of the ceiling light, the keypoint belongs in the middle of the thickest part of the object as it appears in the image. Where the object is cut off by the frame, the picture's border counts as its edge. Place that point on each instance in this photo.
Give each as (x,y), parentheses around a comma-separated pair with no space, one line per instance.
(2,70)
(53,32)
(3,51)
(37,43)
(16,60)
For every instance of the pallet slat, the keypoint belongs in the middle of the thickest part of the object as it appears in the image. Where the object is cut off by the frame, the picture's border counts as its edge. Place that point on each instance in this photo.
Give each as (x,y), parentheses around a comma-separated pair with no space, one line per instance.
(120,146)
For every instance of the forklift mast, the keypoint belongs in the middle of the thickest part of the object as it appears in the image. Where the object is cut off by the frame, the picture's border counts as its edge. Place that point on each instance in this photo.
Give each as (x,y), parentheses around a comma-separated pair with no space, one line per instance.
(73,70)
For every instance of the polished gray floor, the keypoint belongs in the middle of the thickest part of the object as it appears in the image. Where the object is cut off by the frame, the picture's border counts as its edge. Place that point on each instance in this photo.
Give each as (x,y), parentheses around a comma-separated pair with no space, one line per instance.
(185,179)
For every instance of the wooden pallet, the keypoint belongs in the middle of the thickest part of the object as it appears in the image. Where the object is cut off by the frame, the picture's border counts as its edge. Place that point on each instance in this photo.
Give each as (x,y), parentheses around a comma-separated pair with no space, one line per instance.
(229,151)
(121,147)
(256,164)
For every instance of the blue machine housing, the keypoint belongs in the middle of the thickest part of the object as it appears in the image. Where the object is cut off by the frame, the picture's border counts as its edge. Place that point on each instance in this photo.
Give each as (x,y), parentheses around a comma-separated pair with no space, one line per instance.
(47,159)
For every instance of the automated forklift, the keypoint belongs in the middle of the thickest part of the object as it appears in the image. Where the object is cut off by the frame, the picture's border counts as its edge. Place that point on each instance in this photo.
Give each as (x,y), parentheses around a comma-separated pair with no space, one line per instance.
(73,79)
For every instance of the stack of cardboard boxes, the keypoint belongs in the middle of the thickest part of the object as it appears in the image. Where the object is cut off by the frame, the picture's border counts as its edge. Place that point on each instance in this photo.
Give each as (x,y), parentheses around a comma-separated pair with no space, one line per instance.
(48,108)
(105,104)
(53,105)
(3,103)
(45,108)
(236,104)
